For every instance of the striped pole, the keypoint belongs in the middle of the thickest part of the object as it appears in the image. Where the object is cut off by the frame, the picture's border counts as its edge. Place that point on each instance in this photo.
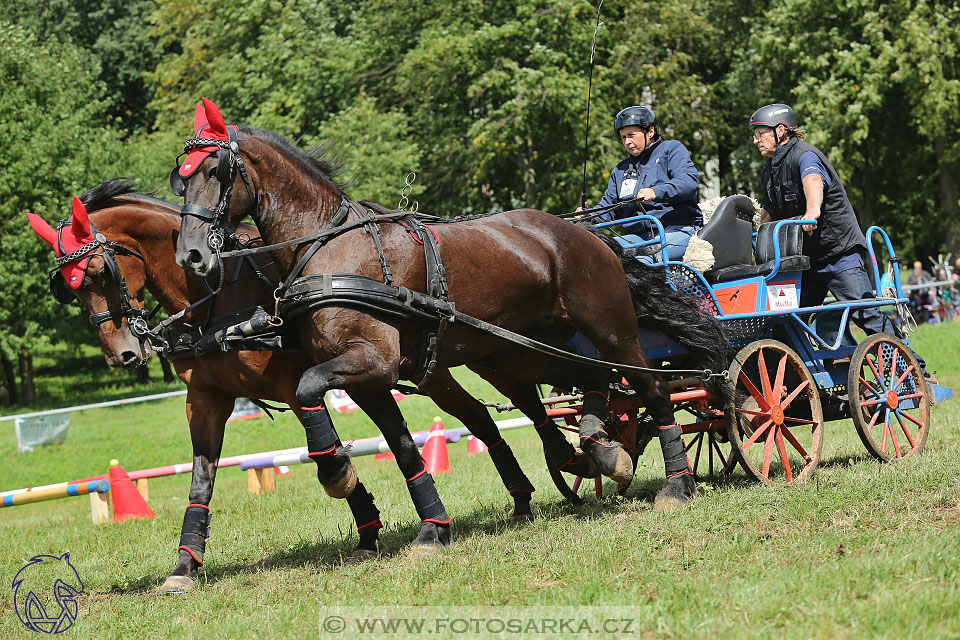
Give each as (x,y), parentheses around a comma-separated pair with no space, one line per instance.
(40,495)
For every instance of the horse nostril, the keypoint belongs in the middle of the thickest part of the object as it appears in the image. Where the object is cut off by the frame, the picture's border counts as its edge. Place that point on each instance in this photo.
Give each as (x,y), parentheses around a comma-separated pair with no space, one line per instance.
(194,257)
(129,358)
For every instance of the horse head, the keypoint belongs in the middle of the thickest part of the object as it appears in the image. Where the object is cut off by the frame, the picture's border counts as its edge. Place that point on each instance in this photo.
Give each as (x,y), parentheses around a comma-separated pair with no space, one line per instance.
(214,202)
(107,277)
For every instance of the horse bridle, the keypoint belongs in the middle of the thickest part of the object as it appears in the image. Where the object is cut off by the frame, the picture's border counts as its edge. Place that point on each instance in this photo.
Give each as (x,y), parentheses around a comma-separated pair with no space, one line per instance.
(136,318)
(228,163)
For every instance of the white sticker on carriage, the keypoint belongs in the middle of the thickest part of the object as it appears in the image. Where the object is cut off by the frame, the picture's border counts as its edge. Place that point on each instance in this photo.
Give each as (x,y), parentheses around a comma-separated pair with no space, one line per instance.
(782,296)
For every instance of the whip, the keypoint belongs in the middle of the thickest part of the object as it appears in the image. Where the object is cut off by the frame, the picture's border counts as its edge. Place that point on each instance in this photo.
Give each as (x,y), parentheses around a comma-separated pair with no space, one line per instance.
(586,135)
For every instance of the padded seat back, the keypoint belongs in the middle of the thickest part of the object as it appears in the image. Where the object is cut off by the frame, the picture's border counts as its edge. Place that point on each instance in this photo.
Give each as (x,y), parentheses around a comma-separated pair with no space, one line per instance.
(730,235)
(791,241)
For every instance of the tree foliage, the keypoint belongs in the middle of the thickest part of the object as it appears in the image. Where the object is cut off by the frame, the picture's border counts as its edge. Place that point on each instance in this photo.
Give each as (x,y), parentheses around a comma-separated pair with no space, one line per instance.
(484,99)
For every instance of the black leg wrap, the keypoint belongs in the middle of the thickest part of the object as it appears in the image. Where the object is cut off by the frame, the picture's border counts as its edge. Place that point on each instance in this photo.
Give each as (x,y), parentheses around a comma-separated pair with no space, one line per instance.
(195,531)
(674,455)
(509,469)
(321,436)
(365,512)
(426,499)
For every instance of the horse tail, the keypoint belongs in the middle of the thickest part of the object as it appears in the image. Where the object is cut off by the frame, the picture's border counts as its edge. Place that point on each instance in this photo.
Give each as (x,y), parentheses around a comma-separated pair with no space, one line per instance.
(678,316)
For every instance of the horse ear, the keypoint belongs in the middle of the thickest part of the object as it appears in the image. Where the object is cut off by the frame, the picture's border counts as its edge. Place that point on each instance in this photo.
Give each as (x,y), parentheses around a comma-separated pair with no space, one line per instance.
(215,118)
(199,118)
(44,230)
(81,223)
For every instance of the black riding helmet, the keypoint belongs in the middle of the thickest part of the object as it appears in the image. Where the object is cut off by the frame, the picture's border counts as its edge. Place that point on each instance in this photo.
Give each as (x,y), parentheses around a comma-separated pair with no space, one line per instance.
(638,116)
(773,115)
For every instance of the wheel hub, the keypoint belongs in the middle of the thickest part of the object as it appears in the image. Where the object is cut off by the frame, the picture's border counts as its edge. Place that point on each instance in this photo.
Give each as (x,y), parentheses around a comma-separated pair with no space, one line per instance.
(893,400)
(776,414)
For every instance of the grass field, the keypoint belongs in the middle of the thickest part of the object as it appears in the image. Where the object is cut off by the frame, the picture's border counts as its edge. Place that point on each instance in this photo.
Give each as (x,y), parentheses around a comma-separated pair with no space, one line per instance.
(864,550)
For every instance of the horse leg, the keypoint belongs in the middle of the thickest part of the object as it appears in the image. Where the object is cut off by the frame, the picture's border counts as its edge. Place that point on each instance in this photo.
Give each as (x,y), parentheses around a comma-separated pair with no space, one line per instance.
(363,371)
(435,530)
(680,486)
(452,398)
(207,414)
(557,450)
(316,422)
(334,470)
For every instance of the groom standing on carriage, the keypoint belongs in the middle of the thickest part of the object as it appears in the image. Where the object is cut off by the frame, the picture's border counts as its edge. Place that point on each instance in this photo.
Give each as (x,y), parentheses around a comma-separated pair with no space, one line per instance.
(800,182)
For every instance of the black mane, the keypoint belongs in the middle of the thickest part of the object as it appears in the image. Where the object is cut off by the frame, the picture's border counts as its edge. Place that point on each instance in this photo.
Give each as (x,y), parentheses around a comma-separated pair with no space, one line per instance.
(110,192)
(320,159)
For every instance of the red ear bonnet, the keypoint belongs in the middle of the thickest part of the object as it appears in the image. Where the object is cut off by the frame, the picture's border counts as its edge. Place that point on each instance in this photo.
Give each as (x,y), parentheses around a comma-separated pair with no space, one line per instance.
(71,237)
(207,123)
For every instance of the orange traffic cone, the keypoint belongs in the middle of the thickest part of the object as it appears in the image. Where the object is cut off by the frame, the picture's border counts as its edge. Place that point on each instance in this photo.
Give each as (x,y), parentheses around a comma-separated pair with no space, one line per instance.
(127,501)
(475,445)
(435,459)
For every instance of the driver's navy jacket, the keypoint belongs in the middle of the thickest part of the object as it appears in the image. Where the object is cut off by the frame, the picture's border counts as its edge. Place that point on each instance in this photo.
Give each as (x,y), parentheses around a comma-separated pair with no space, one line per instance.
(666,167)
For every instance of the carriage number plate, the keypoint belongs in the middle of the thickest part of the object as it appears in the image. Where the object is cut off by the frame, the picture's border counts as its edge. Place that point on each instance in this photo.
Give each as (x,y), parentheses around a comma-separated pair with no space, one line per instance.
(782,296)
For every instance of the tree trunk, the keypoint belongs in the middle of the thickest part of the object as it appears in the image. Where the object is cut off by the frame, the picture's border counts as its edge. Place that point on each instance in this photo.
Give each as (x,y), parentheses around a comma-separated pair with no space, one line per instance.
(950,201)
(167,370)
(5,385)
(28,390)
(10,378)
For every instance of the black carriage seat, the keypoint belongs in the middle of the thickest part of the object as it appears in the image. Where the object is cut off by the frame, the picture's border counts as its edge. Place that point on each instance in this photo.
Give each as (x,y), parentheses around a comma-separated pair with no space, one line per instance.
(791,254)
(729,231)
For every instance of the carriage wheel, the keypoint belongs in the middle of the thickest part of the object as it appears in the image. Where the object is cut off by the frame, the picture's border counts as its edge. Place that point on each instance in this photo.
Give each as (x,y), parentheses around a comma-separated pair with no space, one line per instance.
(571,486)
(711,455)
(709,452)
(778,430)
(889,400)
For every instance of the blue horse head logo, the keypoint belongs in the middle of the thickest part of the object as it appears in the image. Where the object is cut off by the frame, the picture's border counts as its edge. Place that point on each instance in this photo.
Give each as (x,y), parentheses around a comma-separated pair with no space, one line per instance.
(45,594)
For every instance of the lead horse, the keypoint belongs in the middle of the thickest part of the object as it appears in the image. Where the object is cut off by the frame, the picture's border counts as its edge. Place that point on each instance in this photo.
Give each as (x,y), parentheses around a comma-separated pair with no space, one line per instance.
(106,257)
(525,271)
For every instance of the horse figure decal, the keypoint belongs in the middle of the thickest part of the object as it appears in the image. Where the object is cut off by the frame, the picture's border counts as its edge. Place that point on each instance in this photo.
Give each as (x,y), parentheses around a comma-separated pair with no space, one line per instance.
(45,593)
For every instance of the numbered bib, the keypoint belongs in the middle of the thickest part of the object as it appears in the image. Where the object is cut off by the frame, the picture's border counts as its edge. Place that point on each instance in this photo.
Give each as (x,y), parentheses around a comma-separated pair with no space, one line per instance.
(627,187)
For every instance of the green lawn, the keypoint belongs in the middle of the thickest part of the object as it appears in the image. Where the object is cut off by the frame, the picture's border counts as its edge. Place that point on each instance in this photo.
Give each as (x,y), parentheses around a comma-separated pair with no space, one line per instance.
(863,550)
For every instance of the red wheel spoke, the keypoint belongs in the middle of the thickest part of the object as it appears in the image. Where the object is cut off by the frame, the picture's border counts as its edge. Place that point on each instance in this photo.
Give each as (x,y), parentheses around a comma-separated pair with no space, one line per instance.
(871,402)
(911,419)
(752,389)
(877,374)
(782,450)
(756,434)
(696,438)
(893,436)
(598,487)
(911,396)
(767,452)
(868,385)
(901,378)
(764,377)
(710,455)
(873,420)
(790,398)
(778,381)
(906,432)
(796,444)
(886,425)
(880,359)
(576,483)
(759,414)
(720,455)
(799,420)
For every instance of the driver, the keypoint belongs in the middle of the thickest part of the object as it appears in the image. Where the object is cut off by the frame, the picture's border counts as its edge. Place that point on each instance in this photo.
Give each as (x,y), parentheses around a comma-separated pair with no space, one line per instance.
(661,174)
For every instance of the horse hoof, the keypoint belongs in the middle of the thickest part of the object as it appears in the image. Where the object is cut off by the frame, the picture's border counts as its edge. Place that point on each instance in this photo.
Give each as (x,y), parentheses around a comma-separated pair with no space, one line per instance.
(345,486)
(611,459)
(518,519)
(679,491)
(176,584)
(358,556)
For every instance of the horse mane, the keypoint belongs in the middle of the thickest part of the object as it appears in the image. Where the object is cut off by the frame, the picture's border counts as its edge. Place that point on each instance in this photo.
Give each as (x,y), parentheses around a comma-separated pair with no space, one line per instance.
(320,160)
(115,191)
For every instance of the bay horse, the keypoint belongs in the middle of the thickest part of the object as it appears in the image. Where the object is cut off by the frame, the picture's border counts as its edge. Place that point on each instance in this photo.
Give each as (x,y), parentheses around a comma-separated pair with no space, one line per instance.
(525,271)
(126,244)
